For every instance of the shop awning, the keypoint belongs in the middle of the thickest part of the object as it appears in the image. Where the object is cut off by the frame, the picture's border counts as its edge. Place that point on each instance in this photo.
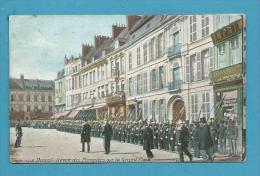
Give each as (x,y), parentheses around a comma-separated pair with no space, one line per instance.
(83,108)
(101,105)
(72,114)
(60,115)
(86,115)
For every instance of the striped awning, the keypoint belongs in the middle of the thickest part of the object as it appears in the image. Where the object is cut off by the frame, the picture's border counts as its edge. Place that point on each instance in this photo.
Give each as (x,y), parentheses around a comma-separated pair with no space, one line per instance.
(72,114)
(60,115)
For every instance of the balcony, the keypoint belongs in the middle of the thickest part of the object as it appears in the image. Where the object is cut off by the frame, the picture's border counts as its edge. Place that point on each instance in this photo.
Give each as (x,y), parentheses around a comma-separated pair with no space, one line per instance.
(175,85)
(174,51)
(116,98)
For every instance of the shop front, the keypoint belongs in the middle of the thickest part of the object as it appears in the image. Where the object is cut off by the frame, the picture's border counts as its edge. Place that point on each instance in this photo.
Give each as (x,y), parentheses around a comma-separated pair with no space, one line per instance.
(116,106)
(228,93)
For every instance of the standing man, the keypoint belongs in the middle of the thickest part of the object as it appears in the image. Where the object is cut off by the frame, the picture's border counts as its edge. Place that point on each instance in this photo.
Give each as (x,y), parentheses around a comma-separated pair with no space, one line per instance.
(85,136)
(172,136)
(148,140)
(232,133)
(222,132)
(19,134)
(183,141)
(195,138)
(206,142)
(107,133)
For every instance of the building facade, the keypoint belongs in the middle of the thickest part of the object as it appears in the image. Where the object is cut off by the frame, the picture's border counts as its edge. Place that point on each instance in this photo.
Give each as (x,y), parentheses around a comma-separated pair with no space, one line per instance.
(31,99)
(60,92)
(169,62)
(156,67)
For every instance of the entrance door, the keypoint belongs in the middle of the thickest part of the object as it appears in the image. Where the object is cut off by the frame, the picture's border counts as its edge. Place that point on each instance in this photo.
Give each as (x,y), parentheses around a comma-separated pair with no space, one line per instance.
(178,110)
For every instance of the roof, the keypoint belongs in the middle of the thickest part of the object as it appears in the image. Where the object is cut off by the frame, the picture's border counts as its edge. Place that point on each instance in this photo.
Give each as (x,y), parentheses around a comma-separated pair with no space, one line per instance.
(145,25)
(31,84)
(60,74)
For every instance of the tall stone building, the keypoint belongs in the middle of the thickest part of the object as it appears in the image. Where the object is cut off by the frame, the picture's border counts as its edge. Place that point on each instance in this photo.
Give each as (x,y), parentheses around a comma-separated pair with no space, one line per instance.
(60,95)
(156,67)
(31,98)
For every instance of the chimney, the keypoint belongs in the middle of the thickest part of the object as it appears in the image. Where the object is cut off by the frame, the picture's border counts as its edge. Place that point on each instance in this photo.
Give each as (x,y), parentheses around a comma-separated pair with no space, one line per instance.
(116,30)
(99,40)
(131,20)
(86,49)
(21,76)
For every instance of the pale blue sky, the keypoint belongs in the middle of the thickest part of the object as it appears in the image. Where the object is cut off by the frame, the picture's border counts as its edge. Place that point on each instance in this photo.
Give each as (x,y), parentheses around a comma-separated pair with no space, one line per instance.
(38,44)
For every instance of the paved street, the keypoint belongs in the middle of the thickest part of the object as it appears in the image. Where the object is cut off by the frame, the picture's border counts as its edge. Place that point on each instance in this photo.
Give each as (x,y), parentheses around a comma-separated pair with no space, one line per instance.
(49,145)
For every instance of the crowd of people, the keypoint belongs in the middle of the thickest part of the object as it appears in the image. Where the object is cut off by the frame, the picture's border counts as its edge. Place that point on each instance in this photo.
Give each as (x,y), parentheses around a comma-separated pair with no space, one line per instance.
(204,138)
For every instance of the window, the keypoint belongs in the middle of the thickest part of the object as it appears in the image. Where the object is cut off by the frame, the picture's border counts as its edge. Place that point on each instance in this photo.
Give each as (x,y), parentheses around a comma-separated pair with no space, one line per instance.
(145,52)
(12,97)
(43,98)
(98,74)
(160,45)
(86,79)
(130,86)
(138,56)
(94,76)
(205,25)
(198,67)
(35,98)
(43,108)
(205,105)
(145,111)
(175,39)
(20,97)
(117,68)
(221,55)
(122,65)
(122,86)
(28,108)
(193,68)
(112,68)
(90,77)
(50,108)
(145,82)
(205,63)
(21,108)
(49,98)
(235,59)
(161,77)
(139,84)
(194,107)
(193,28)
(153,109)
(130,61)
(152,49)
(73,83)
(187,69)
(162,110)
(98,92)
(176,76)
(153,79)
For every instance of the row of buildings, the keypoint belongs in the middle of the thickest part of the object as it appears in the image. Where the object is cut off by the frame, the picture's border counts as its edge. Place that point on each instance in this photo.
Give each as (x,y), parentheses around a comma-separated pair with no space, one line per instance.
(160,67)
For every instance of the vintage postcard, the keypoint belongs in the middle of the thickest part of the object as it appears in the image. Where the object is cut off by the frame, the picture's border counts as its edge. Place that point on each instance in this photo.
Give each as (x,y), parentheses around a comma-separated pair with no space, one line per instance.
(127,88)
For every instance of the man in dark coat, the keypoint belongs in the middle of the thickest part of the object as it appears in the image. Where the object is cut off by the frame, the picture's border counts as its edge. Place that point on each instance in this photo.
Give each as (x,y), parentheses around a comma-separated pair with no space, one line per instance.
(205,142)
(148,140)
(19,134)
(183,141)
(107,133)
(195,139)
(85,136)
(222,134)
